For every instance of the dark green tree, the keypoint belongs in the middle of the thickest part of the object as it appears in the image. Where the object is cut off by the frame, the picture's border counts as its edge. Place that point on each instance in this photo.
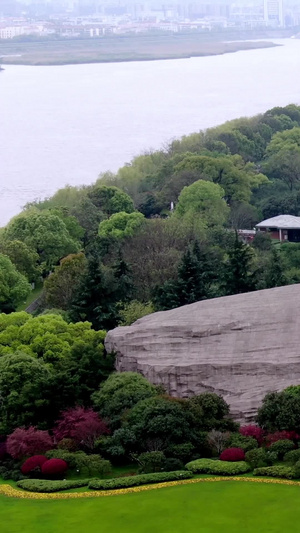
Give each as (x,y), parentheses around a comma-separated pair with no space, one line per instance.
(274,275)
(239,274)
(23,397)
(281,410)
(120,392)
(195,275)
(123,279)
(95,299)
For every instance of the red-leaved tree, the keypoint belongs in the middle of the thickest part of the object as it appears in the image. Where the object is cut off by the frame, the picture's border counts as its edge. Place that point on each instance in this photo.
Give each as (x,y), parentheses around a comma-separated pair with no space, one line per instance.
(252,431)
(82,425)
(23,442)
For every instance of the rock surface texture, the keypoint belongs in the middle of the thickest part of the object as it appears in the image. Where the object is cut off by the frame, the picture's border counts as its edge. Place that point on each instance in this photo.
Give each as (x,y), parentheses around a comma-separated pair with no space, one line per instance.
(240,347)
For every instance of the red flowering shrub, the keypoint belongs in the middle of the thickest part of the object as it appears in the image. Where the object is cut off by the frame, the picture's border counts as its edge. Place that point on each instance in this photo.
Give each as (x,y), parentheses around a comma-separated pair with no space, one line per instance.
(252,431)
(233,454)
(31,441)
(281,435)
(81,425)
(33,463)
(54,467)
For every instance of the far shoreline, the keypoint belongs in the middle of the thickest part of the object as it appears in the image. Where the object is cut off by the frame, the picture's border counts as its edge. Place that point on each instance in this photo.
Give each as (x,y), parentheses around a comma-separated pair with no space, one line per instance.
(56,53)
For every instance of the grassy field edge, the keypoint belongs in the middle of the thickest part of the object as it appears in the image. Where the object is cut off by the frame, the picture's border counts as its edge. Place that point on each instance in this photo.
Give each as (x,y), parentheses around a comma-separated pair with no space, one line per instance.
(8,490)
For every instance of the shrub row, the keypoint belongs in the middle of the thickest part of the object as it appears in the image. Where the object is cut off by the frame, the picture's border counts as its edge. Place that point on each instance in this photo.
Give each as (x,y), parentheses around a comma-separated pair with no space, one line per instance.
(281,471)
(43,485)
(222,468)
(134,481)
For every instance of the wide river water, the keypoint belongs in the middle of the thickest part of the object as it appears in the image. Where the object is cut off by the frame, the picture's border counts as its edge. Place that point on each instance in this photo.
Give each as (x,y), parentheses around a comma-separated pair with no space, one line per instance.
(66,124)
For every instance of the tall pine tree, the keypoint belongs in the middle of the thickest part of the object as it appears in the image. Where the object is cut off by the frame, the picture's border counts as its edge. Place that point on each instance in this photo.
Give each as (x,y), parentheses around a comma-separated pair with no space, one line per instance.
(95,298)
(239,274)
(195,275)
(274,275)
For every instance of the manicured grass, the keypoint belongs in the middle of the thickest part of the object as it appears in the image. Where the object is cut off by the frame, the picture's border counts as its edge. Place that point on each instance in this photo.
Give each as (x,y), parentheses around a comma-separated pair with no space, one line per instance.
(225,506)
(33,295)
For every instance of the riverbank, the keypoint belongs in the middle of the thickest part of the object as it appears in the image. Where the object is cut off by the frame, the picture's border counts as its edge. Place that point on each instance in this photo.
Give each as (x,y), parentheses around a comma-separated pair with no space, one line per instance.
(119,49)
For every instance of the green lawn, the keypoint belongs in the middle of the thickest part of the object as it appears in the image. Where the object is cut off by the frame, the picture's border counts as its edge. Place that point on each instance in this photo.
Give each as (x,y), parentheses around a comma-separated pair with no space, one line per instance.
(225,507)
(33,295)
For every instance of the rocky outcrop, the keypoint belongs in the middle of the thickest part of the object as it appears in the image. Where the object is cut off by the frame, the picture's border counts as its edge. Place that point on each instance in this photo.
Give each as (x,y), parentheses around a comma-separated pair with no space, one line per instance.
(240,347)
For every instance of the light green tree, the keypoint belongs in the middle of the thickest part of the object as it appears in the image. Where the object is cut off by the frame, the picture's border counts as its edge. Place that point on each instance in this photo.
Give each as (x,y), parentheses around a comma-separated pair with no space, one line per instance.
(60,287)
(135,310)
(236,177)
(111,200)
(14,287)
(24,258)
(121,225)
(205,200)
(43,232)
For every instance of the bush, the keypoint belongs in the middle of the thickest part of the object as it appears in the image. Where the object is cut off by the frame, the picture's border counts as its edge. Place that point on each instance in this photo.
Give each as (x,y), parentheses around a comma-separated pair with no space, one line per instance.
(261,457)
(252,431)
(43,485)
(68,444)
(183,452)
(171,464)
(281,471)
(297,470)
(71,458)
(151,462)
(10,469)
(222,468)
(257,458)
(272,457)
(292,457)
(240,441)
(281,447)
(54,467)
(93,464)
(233,454)
(135,481)
(281,435)
(33,463)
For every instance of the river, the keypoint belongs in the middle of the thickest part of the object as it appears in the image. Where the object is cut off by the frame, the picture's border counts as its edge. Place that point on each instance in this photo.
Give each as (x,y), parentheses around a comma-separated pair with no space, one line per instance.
(66,124)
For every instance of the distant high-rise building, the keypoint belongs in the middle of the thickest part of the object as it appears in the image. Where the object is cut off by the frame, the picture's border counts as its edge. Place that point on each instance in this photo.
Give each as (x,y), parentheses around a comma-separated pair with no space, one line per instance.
(273,12)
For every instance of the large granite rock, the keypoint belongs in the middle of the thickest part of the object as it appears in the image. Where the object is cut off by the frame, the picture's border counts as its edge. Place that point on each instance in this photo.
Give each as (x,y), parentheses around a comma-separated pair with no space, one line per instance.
(240,347)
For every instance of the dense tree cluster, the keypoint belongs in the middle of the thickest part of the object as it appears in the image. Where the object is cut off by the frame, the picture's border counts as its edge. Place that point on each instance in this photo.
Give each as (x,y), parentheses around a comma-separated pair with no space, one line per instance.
(158,234)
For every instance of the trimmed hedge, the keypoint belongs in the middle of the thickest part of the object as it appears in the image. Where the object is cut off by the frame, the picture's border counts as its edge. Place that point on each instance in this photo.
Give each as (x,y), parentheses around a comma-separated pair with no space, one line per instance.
(221,468)
(286,472)
(44,485)
(135,481)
